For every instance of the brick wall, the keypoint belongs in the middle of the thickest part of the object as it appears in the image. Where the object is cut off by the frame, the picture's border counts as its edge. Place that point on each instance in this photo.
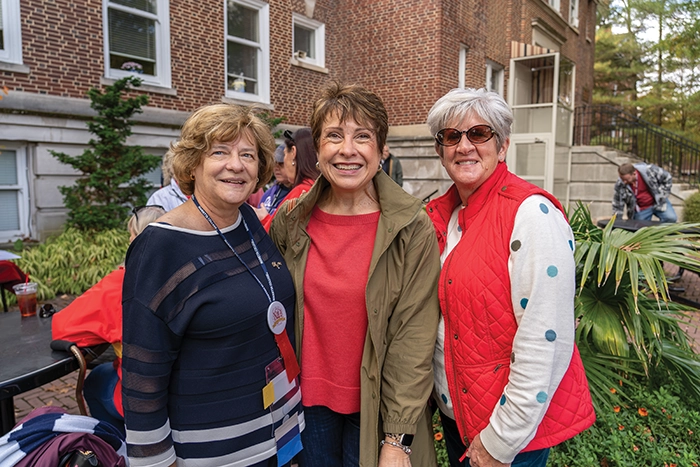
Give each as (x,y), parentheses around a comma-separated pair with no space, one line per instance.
(405,50)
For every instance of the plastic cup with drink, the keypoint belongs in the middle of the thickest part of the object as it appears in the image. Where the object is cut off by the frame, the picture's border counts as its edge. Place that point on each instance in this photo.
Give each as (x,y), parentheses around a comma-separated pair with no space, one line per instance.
(26,298)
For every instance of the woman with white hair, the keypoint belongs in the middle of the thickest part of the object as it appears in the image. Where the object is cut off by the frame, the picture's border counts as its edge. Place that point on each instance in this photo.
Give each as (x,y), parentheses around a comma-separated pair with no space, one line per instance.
(509,381)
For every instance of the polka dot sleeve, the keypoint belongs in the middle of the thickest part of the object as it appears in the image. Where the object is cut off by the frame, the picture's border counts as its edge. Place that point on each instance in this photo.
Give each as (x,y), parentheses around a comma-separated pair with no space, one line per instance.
(542,273)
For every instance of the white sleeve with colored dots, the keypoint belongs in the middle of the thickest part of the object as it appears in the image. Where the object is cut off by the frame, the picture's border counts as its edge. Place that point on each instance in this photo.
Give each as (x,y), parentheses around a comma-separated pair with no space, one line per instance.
(543,283)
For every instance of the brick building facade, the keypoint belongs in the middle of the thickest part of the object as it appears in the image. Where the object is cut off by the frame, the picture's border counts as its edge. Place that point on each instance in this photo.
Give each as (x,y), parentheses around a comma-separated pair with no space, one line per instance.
(275,54)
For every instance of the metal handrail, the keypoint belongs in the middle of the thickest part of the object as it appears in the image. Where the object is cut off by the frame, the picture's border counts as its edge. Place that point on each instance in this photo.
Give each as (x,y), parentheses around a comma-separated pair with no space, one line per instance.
(605,125)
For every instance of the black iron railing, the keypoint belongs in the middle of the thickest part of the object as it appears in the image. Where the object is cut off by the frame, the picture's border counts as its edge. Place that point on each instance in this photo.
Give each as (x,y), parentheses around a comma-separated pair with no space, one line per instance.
(604,125)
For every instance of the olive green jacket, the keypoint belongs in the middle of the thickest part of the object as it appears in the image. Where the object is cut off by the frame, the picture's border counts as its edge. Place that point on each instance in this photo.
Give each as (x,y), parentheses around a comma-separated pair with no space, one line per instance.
(402,311)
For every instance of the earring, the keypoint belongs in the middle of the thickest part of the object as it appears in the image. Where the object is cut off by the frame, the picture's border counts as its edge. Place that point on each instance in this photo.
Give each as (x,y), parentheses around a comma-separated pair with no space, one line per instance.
(380,167)
(191,176)
(317,165)
(294,163)
(257,179)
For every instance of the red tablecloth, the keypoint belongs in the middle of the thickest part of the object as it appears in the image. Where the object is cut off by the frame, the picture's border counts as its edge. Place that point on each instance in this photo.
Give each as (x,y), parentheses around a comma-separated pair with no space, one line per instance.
(10,275)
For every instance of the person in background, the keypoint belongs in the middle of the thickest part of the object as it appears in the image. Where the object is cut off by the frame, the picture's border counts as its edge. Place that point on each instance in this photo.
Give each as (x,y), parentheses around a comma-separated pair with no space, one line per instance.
(274,195)
(299,165)
(643,190)
(170,196)
(209,368)
(364,261)
(95,317)
(508,376)
(392,166)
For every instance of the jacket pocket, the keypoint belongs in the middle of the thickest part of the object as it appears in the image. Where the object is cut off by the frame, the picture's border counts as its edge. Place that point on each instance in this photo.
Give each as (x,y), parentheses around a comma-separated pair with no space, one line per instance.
(480,391)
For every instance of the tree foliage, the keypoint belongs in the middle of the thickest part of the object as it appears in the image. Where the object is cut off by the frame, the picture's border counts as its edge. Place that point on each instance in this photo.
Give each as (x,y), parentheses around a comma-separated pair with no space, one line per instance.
(648,61)
(112,172)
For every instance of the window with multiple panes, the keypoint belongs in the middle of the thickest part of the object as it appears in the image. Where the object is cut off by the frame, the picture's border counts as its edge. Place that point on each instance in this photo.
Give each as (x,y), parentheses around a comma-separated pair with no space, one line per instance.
(573,13)
(554,4)
(247,50)
(309,42)
(13,192)
(494,77)
(10,32)
(137,40)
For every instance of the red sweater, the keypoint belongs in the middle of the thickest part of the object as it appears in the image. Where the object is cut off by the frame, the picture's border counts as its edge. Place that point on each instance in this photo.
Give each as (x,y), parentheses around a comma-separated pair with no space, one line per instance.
(335,313)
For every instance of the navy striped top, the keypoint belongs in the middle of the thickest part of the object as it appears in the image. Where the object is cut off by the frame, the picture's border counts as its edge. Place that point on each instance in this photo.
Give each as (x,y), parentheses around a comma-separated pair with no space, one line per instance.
(196,345)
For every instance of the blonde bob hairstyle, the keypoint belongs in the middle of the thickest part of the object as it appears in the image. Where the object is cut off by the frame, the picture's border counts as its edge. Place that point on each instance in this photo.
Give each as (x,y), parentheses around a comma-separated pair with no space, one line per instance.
(223,123)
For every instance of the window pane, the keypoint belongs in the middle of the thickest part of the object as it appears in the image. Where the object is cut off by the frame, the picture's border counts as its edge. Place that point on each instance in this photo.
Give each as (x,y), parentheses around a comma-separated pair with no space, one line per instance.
(145,5)
(242,62)
(566,76)
(530,159)
(8,167)
(132,39)
(9,210)
(242,22)
(304,41)
(2,33)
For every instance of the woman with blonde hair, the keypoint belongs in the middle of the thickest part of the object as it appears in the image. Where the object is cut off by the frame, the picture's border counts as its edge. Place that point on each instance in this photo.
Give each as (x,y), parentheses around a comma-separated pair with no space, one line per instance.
(209,369)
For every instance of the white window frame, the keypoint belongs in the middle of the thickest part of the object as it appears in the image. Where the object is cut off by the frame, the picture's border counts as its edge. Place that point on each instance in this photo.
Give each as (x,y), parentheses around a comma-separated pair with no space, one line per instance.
(12,30)
(491,68)
(555,4)
(319,30)
(263,47)
(162,76)
(462,66)
(573,13)
(22,190)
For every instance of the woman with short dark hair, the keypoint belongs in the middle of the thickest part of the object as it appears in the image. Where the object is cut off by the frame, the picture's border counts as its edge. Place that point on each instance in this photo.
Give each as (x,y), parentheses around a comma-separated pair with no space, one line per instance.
(364,262)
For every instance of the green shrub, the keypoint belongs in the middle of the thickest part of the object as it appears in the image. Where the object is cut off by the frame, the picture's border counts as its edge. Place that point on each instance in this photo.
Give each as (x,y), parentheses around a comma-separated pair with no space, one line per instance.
(111,172)
(73,261)
(659,427)
(691,208)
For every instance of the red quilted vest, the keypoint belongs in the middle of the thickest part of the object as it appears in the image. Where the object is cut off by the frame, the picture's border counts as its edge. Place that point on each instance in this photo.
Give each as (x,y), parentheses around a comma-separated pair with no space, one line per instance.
(479,321)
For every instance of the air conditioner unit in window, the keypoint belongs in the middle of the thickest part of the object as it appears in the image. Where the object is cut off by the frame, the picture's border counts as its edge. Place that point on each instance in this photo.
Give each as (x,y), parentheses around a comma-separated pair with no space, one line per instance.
(300,54)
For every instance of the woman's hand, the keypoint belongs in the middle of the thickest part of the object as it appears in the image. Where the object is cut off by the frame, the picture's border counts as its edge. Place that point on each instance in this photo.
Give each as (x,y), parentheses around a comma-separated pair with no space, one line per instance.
(480,457)
(391,456)
(261,212)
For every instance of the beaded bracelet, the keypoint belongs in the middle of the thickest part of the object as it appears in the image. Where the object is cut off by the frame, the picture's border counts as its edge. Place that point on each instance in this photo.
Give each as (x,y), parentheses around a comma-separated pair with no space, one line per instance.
(405,449)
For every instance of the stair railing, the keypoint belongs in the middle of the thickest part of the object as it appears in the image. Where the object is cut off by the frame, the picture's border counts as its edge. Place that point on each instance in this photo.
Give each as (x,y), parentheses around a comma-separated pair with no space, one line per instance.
(605,125)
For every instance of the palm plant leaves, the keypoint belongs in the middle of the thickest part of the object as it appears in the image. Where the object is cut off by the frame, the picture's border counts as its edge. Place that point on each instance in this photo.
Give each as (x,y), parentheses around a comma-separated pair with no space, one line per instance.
(628,325)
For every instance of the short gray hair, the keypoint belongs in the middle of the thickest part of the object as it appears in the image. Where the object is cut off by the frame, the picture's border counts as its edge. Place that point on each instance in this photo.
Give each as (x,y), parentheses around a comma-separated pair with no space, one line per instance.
(460,102)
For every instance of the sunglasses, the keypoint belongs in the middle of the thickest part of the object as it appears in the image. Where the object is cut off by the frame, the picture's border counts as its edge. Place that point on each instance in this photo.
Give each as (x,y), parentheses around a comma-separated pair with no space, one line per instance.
(477,134)
(288,134)
(47,310)
(135,211)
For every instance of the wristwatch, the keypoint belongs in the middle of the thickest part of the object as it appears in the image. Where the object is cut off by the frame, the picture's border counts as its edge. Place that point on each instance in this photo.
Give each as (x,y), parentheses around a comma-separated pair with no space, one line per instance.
(401,438)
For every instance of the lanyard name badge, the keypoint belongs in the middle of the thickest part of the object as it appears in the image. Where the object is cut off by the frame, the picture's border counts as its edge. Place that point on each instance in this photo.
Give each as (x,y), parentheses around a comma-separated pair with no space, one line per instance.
(276,313)
(279,390)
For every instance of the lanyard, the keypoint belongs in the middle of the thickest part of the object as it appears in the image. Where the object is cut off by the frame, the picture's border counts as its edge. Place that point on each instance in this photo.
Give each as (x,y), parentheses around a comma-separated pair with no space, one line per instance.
(255,248)
(276,314)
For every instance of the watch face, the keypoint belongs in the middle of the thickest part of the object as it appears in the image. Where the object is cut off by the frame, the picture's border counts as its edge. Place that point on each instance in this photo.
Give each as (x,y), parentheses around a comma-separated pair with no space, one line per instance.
(406,440)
